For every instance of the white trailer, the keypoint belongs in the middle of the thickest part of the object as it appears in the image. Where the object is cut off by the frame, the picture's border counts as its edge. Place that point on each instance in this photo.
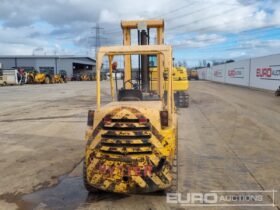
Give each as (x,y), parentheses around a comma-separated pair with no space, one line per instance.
(9,77)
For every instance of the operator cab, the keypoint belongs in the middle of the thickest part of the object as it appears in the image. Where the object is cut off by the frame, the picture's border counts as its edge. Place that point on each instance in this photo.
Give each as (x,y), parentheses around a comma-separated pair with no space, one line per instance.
(136,94)
(135,89)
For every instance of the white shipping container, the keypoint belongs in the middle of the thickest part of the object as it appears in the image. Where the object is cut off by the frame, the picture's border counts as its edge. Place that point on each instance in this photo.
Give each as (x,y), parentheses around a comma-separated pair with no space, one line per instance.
(265,72)
(218,73)
(238,73)
(202,73)
(209,74)
(199,72)
(262,72)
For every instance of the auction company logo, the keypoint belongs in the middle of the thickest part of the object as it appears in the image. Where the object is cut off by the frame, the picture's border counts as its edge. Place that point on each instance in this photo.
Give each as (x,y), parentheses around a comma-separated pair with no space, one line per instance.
(224,198)
(269,73)
(218,73)
(236,73)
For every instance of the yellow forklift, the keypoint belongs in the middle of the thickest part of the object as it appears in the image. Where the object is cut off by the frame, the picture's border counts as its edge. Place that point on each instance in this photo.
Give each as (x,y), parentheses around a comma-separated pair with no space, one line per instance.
(132,141)
(180,82)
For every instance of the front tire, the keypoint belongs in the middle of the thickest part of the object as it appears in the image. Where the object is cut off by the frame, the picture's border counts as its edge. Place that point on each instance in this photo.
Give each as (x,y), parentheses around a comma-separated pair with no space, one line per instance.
(30,80)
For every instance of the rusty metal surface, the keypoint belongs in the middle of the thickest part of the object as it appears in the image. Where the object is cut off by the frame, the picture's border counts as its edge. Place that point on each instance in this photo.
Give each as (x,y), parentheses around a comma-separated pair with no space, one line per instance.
(127,156)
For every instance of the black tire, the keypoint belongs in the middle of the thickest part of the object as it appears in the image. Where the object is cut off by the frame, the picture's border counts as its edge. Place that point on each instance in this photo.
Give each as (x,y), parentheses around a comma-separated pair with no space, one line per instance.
(64,79)
(181,99)
(30,80)
(174,188)
(86,184)
(277,92)
(52,81)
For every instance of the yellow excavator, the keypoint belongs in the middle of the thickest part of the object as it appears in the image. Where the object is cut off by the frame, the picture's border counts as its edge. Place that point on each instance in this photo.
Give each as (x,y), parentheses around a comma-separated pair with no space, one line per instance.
(132,141)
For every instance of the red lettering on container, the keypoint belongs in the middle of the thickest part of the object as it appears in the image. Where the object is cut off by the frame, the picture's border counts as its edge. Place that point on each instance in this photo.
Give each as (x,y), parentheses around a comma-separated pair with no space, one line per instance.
(264,72)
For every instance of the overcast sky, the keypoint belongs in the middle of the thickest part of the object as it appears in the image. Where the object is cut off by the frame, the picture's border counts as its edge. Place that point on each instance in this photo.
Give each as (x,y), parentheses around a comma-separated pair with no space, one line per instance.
(198,29)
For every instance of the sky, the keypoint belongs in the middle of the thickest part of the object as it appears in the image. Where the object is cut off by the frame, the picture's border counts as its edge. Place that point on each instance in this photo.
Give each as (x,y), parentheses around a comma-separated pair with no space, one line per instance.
(197,29)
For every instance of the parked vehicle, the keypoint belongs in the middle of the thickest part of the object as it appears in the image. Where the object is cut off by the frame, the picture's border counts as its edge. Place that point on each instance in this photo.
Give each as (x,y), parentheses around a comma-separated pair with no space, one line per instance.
(132,141)
(193,74)
(180,82)
(76,77)
(29,74)
(85,77)
(9,77)
(63,75)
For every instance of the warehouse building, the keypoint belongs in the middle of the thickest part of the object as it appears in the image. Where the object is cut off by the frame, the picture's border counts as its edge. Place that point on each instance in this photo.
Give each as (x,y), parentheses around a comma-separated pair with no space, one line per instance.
(71,64)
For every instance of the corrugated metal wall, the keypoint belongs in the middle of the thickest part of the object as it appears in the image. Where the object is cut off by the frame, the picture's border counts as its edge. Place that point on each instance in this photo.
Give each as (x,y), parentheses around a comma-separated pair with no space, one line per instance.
(61,64)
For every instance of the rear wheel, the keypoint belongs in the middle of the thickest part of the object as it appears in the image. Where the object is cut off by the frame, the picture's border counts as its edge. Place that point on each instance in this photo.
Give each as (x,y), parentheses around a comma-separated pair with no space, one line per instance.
(86,184)
(181,99)
(174,188)
(277,92)
(174,183)
(29,80)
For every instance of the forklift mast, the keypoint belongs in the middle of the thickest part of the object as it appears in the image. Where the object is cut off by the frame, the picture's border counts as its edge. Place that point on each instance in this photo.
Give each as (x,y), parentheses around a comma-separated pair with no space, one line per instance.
(143,31)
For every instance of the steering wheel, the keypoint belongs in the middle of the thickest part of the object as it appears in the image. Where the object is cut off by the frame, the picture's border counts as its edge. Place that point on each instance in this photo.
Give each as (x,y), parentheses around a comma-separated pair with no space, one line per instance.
(130,82)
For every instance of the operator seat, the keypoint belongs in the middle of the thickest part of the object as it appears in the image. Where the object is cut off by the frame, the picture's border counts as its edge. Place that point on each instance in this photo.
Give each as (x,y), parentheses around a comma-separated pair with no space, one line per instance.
(130,95)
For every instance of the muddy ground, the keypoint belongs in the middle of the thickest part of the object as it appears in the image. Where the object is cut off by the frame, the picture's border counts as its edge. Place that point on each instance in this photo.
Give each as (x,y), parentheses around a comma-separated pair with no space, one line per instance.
(229,139)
